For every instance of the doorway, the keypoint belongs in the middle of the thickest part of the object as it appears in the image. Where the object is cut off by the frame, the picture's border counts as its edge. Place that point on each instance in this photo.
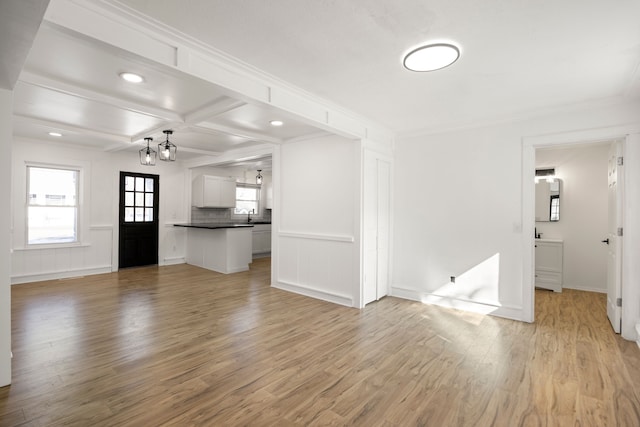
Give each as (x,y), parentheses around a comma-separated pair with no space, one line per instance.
(138,219)
(530,144)
(572,221)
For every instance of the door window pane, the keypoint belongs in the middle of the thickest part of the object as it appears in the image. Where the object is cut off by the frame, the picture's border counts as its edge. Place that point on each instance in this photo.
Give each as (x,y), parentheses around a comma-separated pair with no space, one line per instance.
(148,199)
(129,183)
(148,185)
(128,215)
(128,198)
(139,184)
(148,214)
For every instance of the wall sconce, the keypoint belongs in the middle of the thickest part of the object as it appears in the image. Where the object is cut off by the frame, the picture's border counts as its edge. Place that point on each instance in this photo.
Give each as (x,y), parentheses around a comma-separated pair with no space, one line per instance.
(259,177)
(167,149)
(148,155)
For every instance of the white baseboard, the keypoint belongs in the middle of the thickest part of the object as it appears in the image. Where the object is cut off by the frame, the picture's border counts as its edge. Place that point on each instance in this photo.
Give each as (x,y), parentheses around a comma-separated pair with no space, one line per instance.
(579,288)
(55,275)
(508,312)
(314,293)
(173,261)
(638,334)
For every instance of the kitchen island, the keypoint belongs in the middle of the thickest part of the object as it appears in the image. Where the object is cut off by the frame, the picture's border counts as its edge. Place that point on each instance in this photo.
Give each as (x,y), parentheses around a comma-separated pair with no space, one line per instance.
(225,248)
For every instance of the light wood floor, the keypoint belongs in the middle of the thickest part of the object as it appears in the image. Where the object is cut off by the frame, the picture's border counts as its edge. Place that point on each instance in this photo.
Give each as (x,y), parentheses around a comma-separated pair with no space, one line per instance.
(184,346)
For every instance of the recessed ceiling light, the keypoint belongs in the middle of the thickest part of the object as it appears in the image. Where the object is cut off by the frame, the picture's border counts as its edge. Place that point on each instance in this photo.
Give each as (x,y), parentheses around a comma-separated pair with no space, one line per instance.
(132,77)
(276,122)
(431,57)
(55,134)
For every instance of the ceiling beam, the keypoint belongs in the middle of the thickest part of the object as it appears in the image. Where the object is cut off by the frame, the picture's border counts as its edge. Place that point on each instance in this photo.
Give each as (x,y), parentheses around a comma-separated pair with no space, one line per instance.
(215,108)
(252,136)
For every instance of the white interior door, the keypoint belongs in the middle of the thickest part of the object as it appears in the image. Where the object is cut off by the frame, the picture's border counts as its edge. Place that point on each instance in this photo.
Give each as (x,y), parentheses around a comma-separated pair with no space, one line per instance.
(370,229)
(383,226)
(614,284)
(376,221)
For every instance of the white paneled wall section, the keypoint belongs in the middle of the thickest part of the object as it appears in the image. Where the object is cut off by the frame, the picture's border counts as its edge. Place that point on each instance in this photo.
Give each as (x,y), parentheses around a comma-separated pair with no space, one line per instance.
(316,227)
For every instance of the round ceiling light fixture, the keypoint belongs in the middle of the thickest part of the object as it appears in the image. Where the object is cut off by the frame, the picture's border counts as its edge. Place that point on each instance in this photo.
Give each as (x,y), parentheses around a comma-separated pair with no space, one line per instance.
(132,77)
(276,122)
(431,57)
(56,134)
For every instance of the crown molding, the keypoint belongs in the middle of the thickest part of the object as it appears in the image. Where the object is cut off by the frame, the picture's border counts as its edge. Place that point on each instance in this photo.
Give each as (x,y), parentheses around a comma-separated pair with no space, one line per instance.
(518,117)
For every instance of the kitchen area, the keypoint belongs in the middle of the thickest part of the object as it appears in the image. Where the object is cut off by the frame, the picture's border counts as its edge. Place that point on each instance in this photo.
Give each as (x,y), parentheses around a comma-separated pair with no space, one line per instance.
(230,217)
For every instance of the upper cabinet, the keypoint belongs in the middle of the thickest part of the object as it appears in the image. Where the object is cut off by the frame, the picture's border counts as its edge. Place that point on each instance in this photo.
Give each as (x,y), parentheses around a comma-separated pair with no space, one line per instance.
(213,192)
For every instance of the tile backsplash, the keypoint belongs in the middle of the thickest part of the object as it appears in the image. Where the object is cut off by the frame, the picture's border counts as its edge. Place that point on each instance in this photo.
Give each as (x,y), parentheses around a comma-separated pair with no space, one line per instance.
(216,215)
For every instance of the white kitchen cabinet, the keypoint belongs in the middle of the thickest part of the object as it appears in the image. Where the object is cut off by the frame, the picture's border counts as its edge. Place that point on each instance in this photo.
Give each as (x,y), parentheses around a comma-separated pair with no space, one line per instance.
(548,273)
(225,250)
(213,192)
(261,239)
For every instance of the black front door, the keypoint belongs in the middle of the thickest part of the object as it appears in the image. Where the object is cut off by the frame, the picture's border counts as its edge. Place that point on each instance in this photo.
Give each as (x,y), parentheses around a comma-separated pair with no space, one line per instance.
(138,219)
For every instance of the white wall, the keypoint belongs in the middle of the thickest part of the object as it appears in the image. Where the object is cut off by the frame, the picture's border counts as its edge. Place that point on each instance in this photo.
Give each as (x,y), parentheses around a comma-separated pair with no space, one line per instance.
(459,209)
(583,213)
(5,237)
(316,219)
(98,212)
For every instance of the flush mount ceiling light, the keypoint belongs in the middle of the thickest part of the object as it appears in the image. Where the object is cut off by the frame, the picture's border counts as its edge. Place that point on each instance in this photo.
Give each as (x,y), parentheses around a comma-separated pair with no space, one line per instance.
(259,177)
(148,155)
(131,77)
(56,134)
(276,122)
(431,57)
(167,149)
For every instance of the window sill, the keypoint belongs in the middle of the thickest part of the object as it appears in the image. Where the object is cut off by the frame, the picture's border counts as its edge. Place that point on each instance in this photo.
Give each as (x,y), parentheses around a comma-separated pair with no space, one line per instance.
(51,246)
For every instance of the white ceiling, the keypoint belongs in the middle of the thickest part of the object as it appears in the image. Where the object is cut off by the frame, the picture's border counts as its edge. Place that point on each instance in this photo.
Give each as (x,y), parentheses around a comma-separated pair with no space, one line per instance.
(518,57)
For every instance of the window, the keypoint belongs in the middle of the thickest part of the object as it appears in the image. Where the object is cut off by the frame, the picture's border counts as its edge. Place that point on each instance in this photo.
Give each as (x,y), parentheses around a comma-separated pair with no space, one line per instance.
(52,211)
(555,208)
(247,199)
(138,199)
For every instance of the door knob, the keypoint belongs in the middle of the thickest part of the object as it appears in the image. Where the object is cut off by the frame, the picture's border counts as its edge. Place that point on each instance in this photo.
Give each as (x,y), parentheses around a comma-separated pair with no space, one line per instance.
(605,241)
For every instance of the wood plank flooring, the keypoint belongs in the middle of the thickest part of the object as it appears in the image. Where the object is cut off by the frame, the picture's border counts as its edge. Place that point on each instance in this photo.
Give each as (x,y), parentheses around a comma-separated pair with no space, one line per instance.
(183,346)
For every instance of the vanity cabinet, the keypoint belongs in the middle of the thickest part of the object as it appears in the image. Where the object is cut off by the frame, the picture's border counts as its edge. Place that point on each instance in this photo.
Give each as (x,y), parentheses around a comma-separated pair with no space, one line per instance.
(213,192)
(548,271)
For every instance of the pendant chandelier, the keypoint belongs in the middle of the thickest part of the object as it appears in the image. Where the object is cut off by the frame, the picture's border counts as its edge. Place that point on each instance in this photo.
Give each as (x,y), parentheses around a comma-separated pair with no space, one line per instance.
(166,149)
(259,177)
(148,155)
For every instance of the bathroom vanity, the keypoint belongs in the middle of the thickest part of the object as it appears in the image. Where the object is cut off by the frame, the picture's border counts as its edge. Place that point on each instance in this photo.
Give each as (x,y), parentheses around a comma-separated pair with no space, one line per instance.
(548,272)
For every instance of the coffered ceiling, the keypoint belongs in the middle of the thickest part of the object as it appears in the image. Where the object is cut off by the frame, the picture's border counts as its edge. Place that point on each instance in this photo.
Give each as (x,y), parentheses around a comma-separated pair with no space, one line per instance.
(71,84)
(517,58)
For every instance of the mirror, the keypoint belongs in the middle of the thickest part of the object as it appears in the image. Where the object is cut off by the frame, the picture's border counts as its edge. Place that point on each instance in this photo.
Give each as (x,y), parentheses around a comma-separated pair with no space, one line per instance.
(548,200)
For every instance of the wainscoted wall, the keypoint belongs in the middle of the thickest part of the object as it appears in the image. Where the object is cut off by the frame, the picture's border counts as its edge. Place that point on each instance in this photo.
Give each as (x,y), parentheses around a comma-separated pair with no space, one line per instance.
(316,223)
(97,251)
(93,256)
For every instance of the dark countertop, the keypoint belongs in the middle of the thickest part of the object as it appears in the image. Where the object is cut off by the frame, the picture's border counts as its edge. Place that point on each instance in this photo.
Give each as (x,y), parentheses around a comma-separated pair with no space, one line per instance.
(213,226)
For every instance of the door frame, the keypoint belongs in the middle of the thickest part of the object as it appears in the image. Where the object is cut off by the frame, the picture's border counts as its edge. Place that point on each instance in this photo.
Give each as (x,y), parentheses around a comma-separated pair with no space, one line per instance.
(564,139)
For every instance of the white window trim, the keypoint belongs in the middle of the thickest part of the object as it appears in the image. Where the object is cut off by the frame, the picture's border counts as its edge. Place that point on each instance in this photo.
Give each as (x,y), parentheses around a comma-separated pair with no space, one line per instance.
(81,212)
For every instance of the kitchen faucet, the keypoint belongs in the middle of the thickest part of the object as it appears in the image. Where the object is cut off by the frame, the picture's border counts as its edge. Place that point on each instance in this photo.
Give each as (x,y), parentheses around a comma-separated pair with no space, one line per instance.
(249,215)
